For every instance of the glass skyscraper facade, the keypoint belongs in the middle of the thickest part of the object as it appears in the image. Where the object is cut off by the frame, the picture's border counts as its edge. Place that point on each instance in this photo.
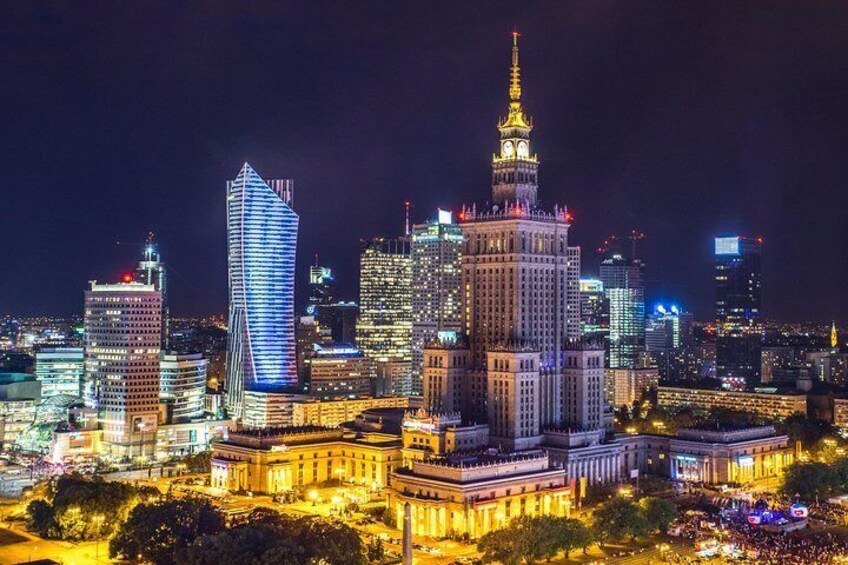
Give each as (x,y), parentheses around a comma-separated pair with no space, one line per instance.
(624,288)
(436,252)
(261,242)
(384,330)
(738,316)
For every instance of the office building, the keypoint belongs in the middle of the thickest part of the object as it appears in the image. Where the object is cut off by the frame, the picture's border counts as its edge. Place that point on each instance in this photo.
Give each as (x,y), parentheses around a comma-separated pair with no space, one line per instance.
(264,409)
(594,309)
(261,245)
(775,357)
(331,413)
(182,385)
(738,315)
(624,289)
(151,270)
(340,319)
(123,337)
(668,328)
(629,385)
(60,371)
(308,334)
(340,370)
(384,330)
(436,286)
(321,287)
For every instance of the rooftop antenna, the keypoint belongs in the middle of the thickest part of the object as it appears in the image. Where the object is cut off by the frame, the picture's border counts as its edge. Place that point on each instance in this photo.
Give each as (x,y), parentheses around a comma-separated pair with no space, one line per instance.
(407,205)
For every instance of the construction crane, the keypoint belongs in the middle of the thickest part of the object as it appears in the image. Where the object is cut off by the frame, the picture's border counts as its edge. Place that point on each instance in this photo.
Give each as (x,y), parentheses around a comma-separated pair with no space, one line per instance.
(614,241)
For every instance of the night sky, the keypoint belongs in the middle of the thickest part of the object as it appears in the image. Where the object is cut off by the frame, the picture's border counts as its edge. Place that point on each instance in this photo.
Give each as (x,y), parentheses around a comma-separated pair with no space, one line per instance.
(682,119)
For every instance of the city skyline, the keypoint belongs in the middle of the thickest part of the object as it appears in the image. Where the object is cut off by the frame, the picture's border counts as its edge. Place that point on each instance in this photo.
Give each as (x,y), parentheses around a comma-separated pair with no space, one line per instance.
(640,144)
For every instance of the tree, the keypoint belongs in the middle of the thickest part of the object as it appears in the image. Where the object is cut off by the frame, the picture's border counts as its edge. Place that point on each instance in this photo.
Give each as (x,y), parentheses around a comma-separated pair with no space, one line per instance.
(159,531)
(572,534)
(334,542)
(616,519)
(810,480)
(86,508)
(658,512)
(41,519)
(501,546)
(249,544)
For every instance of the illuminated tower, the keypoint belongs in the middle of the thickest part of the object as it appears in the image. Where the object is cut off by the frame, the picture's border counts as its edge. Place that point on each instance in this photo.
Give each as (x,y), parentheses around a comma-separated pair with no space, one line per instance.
(436,284)
(520,278)
(834,336)
(384,330)
(262,240)
(514,171)
(738,296)
(122,346)
(151,270)
(625,292)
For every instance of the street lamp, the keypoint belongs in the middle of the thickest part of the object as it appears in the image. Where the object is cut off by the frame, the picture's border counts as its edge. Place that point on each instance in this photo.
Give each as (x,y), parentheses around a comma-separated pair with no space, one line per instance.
(663,547)
(98,520)
(313,496)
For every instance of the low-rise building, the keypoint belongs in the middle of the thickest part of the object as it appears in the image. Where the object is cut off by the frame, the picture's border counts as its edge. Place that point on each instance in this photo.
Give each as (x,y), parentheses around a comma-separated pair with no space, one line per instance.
(741,455)
(474,493)
(763,402)
(331,413)
(275,460)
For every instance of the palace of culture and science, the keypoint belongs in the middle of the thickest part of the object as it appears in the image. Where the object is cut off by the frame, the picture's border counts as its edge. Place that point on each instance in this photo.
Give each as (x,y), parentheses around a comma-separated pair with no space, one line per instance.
(522,368)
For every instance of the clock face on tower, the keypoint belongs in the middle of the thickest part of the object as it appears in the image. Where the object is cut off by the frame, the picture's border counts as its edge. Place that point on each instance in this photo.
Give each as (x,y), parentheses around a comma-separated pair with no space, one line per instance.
(523,149)
(508,148)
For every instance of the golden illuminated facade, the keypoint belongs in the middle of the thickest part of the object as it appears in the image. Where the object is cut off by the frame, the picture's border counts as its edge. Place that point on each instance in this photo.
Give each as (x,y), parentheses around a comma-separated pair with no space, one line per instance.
(748,456)
(515,169)
(473,494)
(276,460)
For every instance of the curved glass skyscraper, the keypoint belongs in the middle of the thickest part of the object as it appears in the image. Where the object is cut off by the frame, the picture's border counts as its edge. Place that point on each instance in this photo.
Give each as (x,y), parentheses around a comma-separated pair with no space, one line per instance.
(262,240)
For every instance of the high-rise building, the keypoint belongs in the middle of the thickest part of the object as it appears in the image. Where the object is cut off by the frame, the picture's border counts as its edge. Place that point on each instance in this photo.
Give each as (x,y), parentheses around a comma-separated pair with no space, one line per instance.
(520,289)
(123,339)
(384,330)
(668,328)
(738,316)
(182,385)
(436,286)
(321,286)
(340,370)
(340,319)
(308,335)
(60,370)
(262,241)
(624,288)
(594,309)
(520,276)
(151,270)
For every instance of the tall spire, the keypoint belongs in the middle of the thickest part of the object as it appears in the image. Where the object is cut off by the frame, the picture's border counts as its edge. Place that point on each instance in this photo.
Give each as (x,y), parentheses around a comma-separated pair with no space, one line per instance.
(515,71)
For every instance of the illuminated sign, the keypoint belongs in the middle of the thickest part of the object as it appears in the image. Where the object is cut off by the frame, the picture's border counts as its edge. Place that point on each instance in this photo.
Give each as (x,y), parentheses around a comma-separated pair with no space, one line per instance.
(445,217)
(447,337)
(746,461)
(727,246)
